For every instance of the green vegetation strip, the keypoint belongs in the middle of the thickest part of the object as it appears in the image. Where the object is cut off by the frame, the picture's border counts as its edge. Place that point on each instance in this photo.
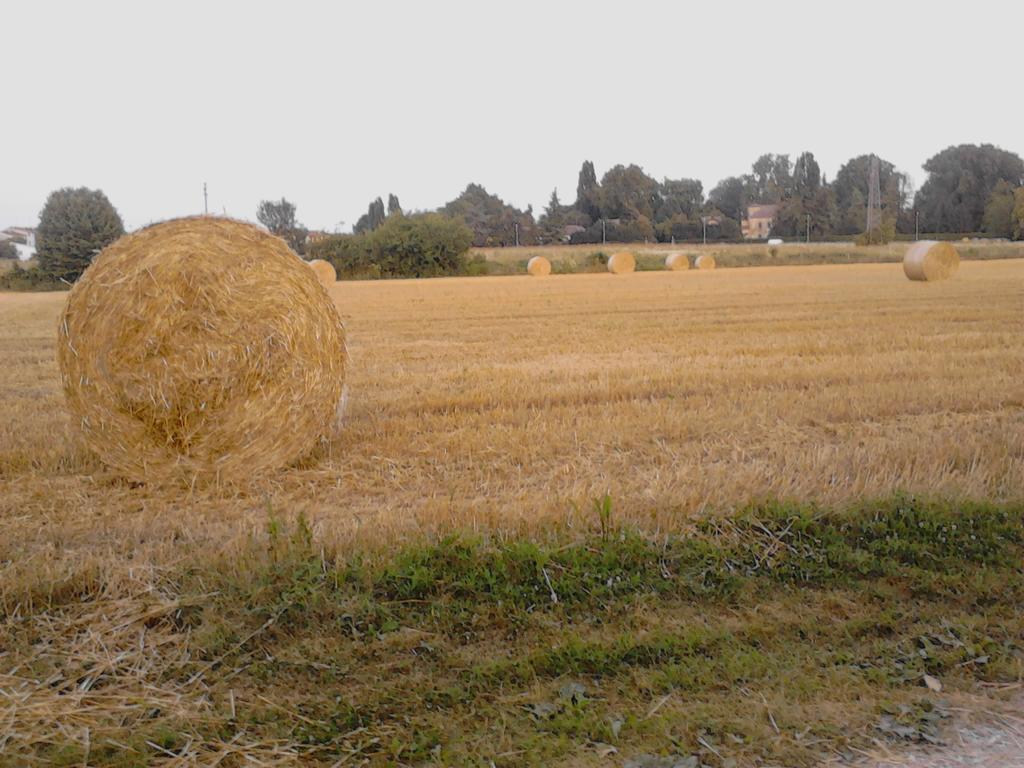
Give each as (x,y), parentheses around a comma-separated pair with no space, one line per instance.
(778,635)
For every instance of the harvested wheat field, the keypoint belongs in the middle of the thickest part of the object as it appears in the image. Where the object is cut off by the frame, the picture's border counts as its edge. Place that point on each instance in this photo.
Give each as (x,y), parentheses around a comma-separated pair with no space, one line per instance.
(620,462)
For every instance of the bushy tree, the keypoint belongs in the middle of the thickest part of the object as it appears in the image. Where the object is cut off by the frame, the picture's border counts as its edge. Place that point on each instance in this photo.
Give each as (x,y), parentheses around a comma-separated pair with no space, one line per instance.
(772,180)
(730,197)
(279,217)
(960,181)
(493,221)
(7,250)
(678,197)
(851,193)
(74,226)
(628,193)
(998,218)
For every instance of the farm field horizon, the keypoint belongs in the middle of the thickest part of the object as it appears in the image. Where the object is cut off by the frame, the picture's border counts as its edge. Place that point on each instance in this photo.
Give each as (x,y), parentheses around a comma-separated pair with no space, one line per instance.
(531,415)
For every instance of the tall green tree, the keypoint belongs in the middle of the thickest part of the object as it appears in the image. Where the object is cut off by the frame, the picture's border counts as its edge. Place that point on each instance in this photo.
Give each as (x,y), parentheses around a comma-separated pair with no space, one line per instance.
(588,192)
(552,221)
(998,217)
(1018,213)
(372,219)
(772,179)
(394,207)
(74,226)
(960,181)
(806,176)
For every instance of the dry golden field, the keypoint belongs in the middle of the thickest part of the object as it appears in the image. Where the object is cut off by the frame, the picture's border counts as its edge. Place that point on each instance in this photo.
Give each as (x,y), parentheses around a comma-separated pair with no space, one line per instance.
(510,402)
(500,406)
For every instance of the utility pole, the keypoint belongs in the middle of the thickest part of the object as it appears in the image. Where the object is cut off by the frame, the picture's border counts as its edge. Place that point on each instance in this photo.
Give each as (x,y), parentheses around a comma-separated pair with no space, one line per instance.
(917,224)
(808,228)
(704,228)
(517,233)
(604,232)
(206,202)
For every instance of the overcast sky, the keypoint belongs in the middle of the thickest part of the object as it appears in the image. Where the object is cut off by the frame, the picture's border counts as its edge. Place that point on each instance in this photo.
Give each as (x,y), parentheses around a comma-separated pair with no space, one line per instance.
(333,104)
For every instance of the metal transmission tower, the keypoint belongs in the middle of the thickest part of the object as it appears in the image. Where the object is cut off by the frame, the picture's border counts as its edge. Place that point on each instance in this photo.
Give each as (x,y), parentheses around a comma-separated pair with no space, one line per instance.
(874,200)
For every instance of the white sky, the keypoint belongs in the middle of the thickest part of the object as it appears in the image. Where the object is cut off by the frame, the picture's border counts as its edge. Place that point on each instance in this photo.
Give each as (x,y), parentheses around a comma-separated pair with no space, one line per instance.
(333,104)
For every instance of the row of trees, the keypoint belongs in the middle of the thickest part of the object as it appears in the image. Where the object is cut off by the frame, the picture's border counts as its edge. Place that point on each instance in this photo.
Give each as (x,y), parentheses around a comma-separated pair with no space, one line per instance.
(969,189)
(627,204)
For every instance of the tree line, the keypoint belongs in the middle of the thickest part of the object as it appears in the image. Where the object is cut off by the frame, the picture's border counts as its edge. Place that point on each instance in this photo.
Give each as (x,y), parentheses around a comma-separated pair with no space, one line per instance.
(970,189)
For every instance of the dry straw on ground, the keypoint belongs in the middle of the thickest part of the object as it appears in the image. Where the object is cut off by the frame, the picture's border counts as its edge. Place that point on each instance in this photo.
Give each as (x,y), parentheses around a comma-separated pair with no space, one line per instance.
(325,271)
(622,262)
(539,266)
(704,261)
(677,262)
(929,260)
(200,348)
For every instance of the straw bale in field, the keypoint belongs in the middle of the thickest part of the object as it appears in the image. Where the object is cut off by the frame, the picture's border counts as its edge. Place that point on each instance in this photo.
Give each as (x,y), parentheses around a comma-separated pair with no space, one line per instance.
(201,348)
(538,266)
(677,261)
(929,260)
(622,262)
(704,261)
(324,270)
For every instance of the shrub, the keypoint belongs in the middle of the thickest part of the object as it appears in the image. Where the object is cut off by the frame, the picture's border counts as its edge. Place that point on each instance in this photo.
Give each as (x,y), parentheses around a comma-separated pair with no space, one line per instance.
(7,250)
(424,245)
(18,278)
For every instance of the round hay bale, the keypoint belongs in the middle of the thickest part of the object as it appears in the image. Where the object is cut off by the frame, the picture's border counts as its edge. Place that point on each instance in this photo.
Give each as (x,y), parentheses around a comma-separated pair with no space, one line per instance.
(201,349)
(324,270)
(929,260)
(704,261)
(538,266)
(621,263)
(677,262)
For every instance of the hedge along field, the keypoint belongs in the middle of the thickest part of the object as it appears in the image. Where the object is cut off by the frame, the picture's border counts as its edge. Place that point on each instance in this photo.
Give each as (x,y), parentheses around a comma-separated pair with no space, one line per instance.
(651,256)
(525,417)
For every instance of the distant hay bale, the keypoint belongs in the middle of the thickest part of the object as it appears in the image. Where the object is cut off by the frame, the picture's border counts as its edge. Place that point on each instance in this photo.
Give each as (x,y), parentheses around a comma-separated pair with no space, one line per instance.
(677,262)
(201,349)
(704,261)
(325,271)
(622,262)
(929,260)
(538,266)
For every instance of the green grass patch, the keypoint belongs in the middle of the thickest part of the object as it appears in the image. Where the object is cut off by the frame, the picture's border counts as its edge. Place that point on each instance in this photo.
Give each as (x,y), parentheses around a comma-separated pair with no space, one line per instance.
(779,634)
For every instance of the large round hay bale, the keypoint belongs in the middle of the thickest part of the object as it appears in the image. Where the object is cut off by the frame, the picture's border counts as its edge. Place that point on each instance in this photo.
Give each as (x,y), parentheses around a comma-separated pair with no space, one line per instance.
(929,260)
(201,349)
(324,270)
(677,262)
(538,266)
(622,262)
(704,261)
